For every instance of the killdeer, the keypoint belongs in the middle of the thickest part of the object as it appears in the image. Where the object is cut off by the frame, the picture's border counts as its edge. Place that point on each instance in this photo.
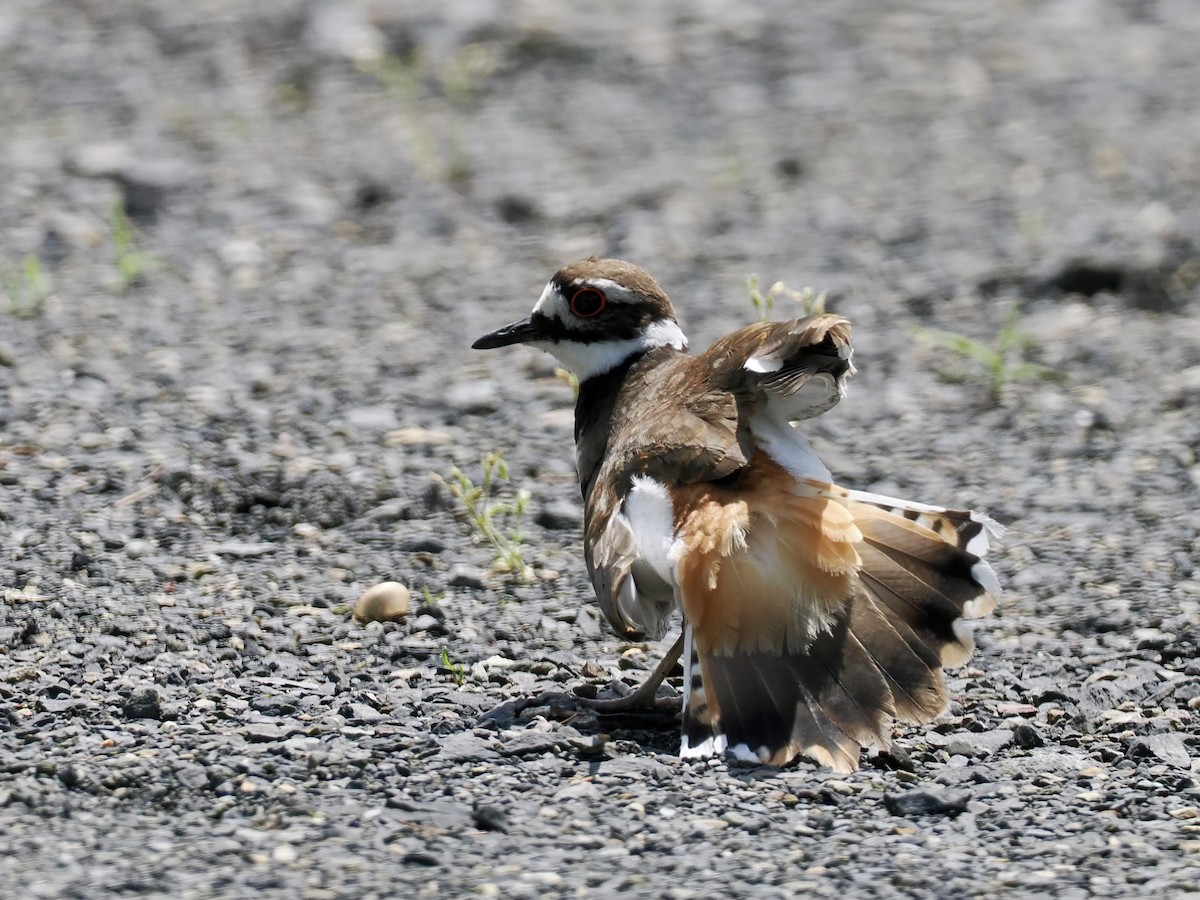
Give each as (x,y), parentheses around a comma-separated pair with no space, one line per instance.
(813,615)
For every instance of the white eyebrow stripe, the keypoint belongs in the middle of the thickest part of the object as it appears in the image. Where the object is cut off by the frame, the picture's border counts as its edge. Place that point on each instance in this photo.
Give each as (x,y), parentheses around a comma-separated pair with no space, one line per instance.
(604,284)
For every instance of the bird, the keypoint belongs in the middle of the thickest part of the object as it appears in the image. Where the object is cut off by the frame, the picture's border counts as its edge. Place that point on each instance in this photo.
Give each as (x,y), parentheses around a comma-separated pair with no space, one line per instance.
(815,617)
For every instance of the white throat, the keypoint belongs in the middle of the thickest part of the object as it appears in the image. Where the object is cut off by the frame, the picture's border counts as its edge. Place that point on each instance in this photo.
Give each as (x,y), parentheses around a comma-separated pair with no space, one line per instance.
(586,360)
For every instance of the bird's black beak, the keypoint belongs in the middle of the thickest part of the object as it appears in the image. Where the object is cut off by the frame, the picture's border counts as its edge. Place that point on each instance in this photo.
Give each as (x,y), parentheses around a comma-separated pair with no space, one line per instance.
(516,333)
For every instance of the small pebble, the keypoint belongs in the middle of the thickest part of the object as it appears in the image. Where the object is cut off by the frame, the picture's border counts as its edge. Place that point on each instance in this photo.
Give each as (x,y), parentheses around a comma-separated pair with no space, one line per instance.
(385,602)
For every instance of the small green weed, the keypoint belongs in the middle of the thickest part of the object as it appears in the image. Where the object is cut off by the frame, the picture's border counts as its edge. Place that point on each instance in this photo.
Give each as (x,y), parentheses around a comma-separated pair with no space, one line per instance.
(1002,360)
(486,513)
(438,149)
(400,78)
(27,291)
(764,304)
(463,75)
(457,672)
(132,264)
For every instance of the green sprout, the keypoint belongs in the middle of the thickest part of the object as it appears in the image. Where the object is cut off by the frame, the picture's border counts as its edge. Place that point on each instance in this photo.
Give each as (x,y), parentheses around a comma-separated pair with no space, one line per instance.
(132,264)
(27,292)
(764,304)
(486,514)
(1002,361)
(457,672)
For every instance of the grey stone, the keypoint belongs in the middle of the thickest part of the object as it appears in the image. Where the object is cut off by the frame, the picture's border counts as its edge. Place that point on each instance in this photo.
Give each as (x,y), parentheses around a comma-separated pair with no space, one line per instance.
(560,515)
(1168,748)
(580,790)
(372,418)
(531,743)
(477,397)
(983,743)
(266,732)
(466,746)
(353,221)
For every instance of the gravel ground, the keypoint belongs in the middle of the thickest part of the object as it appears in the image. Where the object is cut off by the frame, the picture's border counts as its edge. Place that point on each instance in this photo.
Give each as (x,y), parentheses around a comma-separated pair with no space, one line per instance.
(220,422)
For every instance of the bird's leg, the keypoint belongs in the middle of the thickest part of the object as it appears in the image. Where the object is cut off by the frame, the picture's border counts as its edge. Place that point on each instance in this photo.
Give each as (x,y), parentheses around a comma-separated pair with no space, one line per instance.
(644,697)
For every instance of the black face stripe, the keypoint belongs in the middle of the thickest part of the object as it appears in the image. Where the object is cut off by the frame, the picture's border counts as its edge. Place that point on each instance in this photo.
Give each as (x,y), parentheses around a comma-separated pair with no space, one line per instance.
(617,322)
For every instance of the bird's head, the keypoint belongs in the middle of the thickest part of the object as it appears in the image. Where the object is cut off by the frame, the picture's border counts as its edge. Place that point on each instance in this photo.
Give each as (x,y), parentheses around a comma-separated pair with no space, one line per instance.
(593,315)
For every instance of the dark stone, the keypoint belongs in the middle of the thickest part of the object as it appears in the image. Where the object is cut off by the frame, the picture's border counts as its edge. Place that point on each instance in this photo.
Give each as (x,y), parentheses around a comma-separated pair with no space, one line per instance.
(422,543)
(55,248)
(822,821)
(1026,737)
(505,714)
(560,515)
(489,818)
(264,732)
(28,630)
(420,858)
(428,624)
(465,576)
(927,802)
(146,184)
(144,703)
(1088,278)
(896,758)
(516,210)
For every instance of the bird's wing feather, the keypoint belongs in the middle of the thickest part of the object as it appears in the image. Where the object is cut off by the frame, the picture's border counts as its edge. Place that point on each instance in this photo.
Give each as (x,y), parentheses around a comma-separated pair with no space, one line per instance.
(799,367)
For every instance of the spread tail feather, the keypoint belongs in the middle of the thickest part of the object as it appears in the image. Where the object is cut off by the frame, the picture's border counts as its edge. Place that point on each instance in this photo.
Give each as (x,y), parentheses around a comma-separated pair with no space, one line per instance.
(879,657)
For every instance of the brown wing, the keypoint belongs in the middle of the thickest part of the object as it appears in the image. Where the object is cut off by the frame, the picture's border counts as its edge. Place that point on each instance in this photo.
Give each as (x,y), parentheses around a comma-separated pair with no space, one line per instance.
(671,425)
(799,366)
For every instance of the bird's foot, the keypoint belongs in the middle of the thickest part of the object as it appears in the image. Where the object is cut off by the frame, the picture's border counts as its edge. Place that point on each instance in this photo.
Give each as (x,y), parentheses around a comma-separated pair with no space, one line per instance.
(645,697)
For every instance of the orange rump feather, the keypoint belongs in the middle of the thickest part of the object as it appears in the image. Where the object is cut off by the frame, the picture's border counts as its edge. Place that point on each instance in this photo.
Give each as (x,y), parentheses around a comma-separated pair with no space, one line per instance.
(763,568)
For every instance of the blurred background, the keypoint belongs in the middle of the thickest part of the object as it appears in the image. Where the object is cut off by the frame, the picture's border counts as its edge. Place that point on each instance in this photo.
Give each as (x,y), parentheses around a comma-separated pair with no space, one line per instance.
(268,214)
(443,158)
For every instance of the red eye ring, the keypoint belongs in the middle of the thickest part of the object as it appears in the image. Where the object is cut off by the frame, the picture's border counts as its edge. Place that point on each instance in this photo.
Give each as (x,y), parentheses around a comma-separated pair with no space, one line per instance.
(587,302)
